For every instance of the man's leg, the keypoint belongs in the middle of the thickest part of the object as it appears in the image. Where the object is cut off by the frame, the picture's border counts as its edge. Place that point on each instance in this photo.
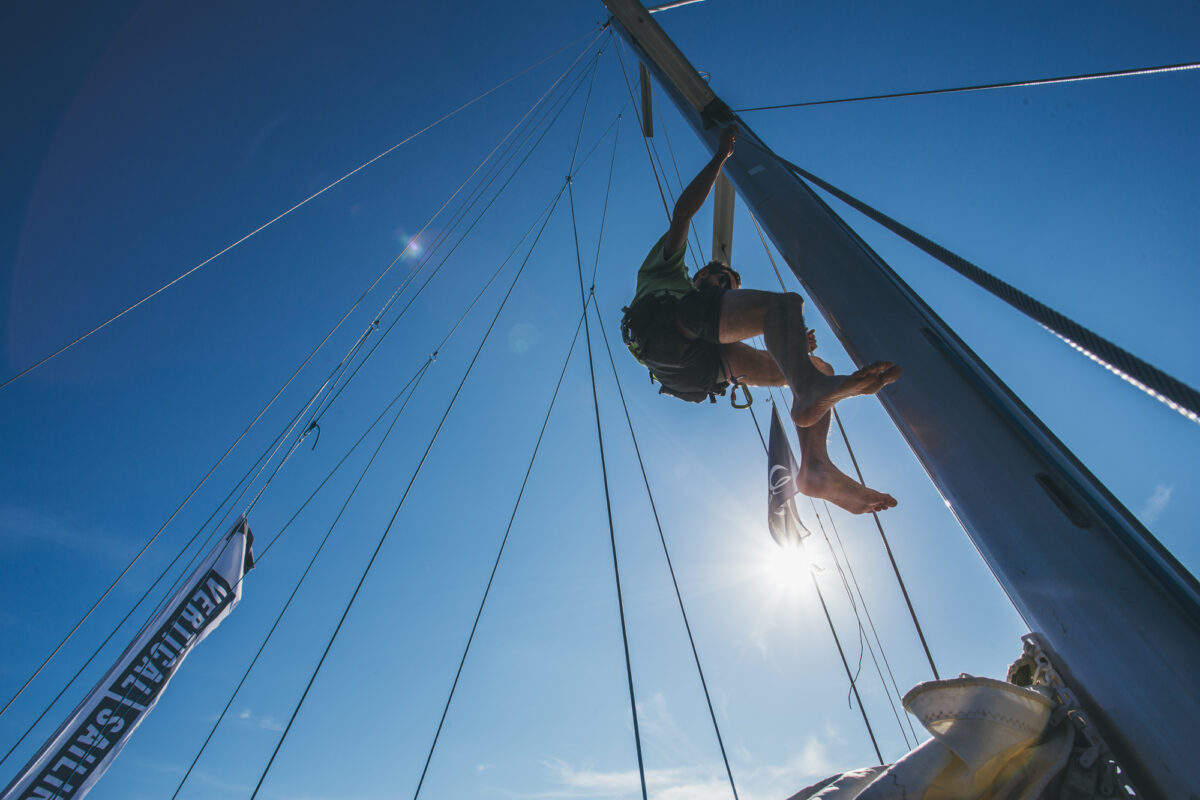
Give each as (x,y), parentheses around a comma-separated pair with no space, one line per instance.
(818,476)
(779,318)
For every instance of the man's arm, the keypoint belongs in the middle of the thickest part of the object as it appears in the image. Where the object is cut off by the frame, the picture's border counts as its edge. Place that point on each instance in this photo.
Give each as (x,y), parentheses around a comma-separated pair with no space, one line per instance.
(693,197)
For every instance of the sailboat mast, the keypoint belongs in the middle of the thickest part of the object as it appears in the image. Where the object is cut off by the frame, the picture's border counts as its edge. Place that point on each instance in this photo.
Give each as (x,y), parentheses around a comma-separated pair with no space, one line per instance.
(1121,615)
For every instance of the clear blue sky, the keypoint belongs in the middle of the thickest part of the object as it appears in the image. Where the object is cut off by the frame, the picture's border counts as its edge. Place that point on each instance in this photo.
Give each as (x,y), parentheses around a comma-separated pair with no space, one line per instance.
(141,138)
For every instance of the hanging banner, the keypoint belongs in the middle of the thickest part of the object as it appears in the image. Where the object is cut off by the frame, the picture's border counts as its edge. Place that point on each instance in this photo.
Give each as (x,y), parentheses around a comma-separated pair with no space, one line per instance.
(85,745)
(782,519)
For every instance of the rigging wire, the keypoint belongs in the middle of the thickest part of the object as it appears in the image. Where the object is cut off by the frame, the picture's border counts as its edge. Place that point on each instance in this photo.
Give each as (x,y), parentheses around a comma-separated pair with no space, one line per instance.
(478,192)
(584,298)
(414,384)
(254,422)
(396,513)
(262,554)
(96,652)
(656,166)
(637,734)
(646,481)
(887,546)
(311,197)
(641,125)
(863,638)
(607,193)
(851,676)
(850,597)
(1121,73)
(866,610)
(670,567)
(86,757)
(1174,393)
(853,685)
(442,238)
(698,256)
(436,350)
(496,565)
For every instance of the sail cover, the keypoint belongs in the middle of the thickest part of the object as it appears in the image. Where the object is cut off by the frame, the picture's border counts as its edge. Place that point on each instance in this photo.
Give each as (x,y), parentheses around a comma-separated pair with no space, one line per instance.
(85,745)
(782,519)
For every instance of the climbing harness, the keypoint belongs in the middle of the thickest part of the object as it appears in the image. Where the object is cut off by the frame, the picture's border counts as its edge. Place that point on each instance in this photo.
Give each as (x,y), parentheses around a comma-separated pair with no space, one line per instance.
(641,322)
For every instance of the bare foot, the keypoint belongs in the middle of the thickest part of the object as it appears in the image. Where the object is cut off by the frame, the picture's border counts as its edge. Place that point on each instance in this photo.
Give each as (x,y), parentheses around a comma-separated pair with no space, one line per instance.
(826,482)
(822,393)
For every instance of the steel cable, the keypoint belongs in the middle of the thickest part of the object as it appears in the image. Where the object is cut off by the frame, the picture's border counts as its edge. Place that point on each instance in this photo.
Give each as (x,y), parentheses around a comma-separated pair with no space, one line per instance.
(1121,73)
(1174,393)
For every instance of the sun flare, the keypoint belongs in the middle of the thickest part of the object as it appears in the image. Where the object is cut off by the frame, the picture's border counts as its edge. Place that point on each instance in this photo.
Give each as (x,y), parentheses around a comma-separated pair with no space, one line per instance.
(788,567)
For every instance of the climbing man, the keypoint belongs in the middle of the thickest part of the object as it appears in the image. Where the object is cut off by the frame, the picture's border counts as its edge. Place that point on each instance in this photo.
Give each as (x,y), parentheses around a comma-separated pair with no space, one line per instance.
(690,333)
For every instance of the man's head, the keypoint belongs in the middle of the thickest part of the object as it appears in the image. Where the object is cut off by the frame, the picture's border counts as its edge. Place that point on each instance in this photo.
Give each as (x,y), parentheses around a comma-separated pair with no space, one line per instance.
(717,274)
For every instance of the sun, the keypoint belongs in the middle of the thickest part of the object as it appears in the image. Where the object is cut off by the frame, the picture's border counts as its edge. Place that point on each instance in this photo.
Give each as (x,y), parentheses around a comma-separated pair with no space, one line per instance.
(788,565)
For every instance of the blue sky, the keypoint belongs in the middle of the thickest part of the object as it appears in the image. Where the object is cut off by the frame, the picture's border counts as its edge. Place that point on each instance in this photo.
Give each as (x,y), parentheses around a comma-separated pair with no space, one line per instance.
(144,137)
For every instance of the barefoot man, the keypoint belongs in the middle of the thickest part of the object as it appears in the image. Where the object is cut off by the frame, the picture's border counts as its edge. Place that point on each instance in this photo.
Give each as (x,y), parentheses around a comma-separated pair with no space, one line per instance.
(689,333)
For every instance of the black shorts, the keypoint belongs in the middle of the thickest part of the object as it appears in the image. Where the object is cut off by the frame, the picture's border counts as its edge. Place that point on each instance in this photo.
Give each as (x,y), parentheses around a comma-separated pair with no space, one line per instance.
(688,368)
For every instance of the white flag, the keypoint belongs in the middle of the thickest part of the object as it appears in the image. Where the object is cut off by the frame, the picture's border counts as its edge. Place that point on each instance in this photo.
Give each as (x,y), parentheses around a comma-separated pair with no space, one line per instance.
(85,745)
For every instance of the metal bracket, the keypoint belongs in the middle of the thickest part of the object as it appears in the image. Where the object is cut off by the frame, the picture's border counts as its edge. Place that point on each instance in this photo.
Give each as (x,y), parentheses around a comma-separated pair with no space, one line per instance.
(1093,771)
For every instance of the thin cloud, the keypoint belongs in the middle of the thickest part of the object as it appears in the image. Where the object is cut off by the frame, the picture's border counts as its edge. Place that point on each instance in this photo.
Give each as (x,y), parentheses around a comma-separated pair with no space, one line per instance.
(1156,504)
(702,782)
(23,527)
(265,722)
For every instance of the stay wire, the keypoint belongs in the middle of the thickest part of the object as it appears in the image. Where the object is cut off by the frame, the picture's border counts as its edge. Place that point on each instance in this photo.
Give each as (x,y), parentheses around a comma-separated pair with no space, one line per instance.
(413,380)
(853,685)
(587,100)
(854,607)
(864,640)
(641,126)
(496,564)
(362,338)
(693,248)
(1122,73)
(396,513)
(698,256)
(887,546)
(1175,394)
(112,633)
(445,339)
(304,575)
(870,621)
(612,535)
(328,401)
(462,237)
(213,469)
(275,445)
(303,202)
(409,388)
(292,426)
(186,500)
(261,555)
(656,165)
(666,554)
(850,676)
(604,470)
(86,757)
(480,188)
(607,193)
